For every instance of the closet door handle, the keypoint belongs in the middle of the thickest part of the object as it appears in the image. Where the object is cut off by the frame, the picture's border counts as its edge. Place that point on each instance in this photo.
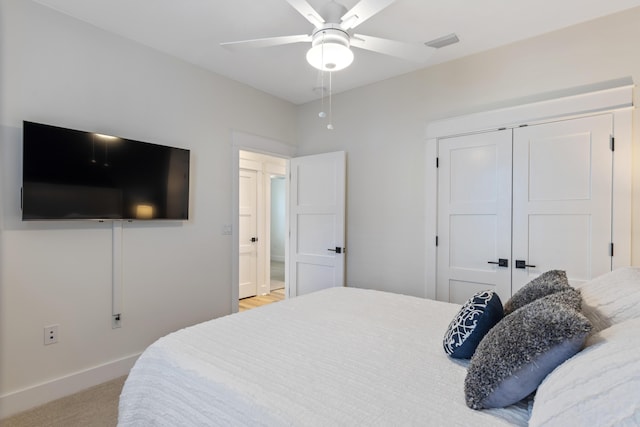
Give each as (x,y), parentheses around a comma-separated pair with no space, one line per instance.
(254,239)
(337,250)
(502,262)
(523,264)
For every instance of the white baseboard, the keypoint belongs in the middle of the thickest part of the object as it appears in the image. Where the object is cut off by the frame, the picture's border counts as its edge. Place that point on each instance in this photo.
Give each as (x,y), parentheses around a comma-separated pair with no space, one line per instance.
(22,400)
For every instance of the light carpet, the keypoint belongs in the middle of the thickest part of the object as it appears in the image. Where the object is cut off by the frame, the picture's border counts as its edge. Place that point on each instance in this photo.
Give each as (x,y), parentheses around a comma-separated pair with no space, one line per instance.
(94,407)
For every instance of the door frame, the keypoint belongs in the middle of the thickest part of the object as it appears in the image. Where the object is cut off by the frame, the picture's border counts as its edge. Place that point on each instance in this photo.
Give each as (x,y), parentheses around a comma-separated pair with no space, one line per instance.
(241,141)
(615,97)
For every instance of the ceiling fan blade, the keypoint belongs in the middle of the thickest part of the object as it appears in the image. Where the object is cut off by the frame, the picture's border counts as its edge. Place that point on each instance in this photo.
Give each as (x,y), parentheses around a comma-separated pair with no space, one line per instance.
(362,11)
(307,11)
(416,52)
(266,42)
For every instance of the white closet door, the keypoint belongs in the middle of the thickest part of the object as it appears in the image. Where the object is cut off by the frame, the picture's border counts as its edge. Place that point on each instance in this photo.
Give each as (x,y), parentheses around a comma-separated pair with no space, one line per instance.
(248,233)
(562,180)
(474,215)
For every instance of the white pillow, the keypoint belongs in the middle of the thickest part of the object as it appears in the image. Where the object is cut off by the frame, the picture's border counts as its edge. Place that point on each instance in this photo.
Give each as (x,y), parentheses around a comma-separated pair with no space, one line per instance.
(611,298)
(598,386)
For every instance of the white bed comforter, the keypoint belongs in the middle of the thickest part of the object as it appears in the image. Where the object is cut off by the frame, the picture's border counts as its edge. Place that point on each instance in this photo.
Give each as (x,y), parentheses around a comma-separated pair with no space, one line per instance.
(338,357)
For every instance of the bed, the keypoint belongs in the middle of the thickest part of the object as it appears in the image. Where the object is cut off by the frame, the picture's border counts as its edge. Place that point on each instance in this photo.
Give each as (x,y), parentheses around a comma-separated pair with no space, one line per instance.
(357,357)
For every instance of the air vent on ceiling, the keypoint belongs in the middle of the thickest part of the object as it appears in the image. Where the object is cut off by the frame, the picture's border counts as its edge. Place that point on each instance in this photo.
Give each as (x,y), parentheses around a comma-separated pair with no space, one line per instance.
(443,41)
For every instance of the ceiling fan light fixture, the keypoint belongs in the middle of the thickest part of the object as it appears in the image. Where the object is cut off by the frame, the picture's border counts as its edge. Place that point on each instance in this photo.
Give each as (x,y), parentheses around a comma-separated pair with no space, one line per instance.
(330,50)
(330,56)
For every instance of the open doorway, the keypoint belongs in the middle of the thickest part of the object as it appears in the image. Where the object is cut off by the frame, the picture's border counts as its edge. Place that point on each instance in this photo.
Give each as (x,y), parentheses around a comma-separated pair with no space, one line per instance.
(242,141)
(261,225)
(323,178)
(277,231)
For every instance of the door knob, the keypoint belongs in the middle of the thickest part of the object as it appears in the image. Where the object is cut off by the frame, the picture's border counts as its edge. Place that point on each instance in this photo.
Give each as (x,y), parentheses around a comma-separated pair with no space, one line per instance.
(254,239)
(502,262)
(336,250)
(523,264)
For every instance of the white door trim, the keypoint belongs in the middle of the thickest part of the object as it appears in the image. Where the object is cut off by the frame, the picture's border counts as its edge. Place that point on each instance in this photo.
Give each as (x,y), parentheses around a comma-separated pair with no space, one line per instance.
(583,101)
(248,142)
(613,97)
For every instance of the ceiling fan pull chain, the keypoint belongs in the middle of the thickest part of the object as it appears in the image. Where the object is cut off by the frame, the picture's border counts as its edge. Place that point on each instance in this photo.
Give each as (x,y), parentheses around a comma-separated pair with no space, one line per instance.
(322,89)
(322,113)
(330,125)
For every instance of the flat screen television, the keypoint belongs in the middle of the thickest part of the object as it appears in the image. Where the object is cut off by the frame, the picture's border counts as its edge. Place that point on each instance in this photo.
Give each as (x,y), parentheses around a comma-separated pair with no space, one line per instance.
(72,174)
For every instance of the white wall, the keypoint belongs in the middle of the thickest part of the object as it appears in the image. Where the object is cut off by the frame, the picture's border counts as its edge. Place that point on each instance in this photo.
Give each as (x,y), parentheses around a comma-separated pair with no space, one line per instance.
(60,71)
(382,128)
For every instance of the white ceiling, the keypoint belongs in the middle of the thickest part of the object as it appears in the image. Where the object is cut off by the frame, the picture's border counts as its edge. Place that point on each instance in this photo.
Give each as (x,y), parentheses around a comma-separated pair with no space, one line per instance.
(193,29)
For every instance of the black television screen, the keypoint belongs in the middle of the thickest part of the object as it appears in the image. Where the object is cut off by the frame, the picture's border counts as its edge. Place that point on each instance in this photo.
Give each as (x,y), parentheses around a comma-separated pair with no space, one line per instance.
(72,174)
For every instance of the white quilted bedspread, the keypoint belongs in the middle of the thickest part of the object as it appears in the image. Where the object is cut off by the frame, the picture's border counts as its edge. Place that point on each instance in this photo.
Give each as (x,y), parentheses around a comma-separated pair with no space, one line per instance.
(338,357)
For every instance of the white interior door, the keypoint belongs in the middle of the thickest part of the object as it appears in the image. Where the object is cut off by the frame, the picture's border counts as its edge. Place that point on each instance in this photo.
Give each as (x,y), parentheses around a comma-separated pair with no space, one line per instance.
(474,215)
(317,222)
(562,184)
(247,234)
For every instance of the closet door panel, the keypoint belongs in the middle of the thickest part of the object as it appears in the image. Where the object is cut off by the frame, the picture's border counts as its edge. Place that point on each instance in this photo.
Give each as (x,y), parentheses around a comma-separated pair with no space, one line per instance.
(562,179)
(474,215)
(561,242)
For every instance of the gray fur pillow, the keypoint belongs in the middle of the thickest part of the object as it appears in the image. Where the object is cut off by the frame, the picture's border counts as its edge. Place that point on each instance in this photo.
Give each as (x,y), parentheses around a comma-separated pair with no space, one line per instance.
(570,298)
(547,283)
(521,350)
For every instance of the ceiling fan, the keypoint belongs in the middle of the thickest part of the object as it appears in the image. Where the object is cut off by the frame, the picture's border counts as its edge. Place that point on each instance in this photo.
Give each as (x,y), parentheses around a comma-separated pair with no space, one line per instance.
(333,36)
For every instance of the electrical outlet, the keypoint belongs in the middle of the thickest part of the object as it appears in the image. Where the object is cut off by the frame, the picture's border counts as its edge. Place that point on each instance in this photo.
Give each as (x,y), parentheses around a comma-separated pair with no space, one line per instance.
(115,321)
(51,334)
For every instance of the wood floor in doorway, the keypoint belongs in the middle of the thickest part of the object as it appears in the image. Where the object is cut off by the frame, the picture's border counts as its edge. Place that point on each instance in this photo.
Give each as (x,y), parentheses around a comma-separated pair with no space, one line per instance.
(257,301)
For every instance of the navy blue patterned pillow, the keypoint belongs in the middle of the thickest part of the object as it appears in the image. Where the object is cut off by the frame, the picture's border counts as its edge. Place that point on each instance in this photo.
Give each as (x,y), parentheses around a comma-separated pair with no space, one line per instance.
(476,317)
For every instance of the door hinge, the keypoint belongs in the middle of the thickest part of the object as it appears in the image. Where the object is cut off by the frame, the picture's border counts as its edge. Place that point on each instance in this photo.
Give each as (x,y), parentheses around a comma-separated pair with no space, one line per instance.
(610,249)
(612,143)
(436,240)
(437,162)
